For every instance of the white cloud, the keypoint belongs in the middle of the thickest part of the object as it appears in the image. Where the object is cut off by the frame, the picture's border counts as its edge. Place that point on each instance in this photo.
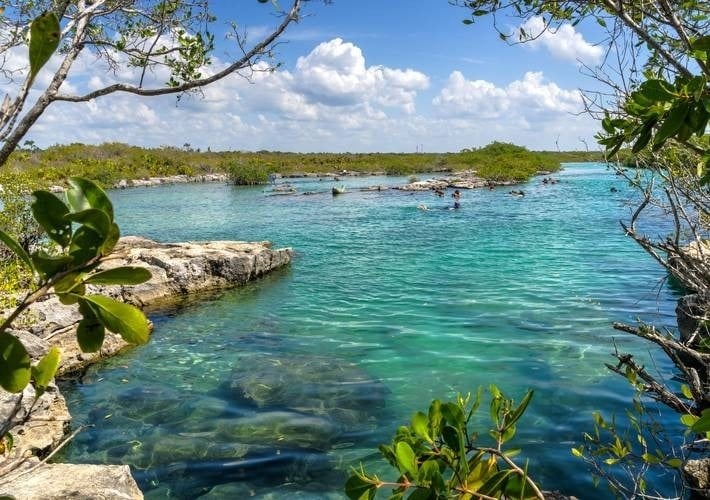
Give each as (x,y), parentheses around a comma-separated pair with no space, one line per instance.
(530,97)
(331,100)
(563,43)
(335,74)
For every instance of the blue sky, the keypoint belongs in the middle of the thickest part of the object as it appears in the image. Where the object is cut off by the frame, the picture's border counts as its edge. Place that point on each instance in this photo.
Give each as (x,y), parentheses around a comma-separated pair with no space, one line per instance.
(360,76)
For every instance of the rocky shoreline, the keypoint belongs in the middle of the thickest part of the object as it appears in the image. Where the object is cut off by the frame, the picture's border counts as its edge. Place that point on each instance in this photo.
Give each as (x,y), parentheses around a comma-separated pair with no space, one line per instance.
(178,270)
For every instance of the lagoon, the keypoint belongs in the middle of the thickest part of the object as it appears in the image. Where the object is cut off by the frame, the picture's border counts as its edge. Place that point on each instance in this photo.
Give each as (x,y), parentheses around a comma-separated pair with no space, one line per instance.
(392,306)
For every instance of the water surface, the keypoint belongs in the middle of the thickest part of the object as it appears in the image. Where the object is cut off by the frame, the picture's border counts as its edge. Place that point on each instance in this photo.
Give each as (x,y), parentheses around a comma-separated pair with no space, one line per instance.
(383,308)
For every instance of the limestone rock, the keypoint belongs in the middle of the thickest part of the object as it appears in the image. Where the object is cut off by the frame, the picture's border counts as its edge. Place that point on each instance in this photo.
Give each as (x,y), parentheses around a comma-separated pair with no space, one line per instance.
(467,179)
(172,179)
(697,475)
(45,429)
(178,269)
(60,481)
(426,185)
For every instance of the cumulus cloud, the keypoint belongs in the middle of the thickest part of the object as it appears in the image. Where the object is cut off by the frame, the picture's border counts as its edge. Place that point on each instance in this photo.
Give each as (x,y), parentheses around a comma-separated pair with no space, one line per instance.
(563,43)
(532,96)
(335,74)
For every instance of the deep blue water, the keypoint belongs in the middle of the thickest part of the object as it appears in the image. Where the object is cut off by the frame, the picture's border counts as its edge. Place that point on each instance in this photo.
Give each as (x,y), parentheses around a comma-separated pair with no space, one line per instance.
(392,306)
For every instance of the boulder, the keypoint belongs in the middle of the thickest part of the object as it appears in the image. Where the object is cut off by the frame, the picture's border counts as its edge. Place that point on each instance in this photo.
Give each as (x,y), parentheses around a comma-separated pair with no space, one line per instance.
(60,481)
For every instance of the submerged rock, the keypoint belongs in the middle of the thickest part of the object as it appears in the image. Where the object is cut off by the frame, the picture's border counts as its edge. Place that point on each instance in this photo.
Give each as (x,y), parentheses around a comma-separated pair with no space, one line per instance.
(326,387)
(194,478)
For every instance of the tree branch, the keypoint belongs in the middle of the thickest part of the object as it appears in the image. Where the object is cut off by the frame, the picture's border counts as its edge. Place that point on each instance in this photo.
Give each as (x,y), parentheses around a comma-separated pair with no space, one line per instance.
(242,63)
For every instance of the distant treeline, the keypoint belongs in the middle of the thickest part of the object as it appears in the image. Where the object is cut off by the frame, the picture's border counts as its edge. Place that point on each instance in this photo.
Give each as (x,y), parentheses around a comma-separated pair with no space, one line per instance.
(111,162)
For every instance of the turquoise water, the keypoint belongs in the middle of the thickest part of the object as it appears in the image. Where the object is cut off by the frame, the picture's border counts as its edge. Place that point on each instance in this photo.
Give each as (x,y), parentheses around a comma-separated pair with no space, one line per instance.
(383,308)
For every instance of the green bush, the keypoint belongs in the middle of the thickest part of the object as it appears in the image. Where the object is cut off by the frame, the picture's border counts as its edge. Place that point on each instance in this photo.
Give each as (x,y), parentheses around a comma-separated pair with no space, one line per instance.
(439,455)
(248,173)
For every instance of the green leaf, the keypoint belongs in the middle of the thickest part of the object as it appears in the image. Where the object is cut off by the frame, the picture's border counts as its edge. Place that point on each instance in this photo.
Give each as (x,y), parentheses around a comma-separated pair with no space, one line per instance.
(685,391)
(406,460)
(90,335)
(577,452)
(111,240)
(68,283)
(451,437)
(120,276)
(429,472)
(9,444)
(702,43)
(674,120)
(676,463)
(357,488)
(420,426)
(16,249)
(421,494)
(703,423)
(85,244)
(453,414)
(85,194)
(689,420)
(44,40)
(49,212)
(644,136)
(657,90)
(696,86)
(94,218)
(43,372)
(124,319)
(518,412)
(494,485)
(49,265)
(15,370)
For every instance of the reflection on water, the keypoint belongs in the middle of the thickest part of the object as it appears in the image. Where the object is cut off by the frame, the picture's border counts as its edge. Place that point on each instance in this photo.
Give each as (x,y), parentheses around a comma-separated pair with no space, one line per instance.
(273,390)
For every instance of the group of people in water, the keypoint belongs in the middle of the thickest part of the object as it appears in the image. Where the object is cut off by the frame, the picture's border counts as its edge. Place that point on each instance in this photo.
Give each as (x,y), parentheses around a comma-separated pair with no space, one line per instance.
(456,195)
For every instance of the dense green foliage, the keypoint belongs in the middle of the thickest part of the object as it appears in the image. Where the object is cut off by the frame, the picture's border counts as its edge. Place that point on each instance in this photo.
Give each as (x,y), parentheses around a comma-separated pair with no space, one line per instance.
(109,163)
(501,161)
(16,218)
(439,455)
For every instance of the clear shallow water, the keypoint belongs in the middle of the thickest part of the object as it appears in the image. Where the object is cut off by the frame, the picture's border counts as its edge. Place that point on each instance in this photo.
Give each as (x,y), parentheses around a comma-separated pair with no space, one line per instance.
(383,308)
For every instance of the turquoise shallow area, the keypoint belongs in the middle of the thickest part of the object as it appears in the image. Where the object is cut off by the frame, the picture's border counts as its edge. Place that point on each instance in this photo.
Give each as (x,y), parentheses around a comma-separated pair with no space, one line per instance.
(420,304)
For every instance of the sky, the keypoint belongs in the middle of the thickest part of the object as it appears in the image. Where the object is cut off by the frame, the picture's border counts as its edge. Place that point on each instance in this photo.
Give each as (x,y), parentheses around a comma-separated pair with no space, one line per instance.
(355,76)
